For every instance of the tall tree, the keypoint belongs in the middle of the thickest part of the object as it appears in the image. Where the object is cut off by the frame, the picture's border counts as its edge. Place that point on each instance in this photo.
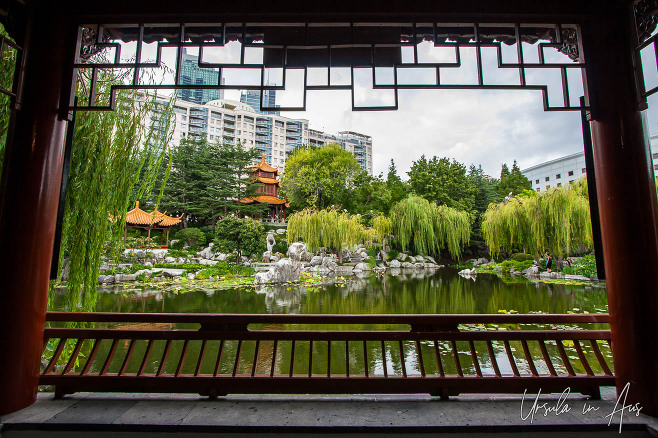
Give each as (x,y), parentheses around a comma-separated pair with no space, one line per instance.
(319,177)
(395,185)
(485,194)
(208,179)
(556,221)
(513,182)
(443,182)
(429,228)
(370,195)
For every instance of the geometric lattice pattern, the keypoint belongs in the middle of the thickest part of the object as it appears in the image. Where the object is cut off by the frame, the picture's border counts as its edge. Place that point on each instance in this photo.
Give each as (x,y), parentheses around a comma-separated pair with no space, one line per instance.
(373,61)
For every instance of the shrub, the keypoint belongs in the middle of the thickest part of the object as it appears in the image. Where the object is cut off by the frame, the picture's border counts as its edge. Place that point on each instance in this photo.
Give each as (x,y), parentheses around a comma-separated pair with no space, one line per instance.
(583,266)
(281,247)
(192,236)
(209,233)
(521,257)
(140,242)
(240,235)
(392,254)
(507,265)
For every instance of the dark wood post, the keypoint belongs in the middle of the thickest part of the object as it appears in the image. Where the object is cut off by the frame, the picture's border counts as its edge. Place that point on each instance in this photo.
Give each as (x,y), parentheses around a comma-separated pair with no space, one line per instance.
(29,195)
(627,201)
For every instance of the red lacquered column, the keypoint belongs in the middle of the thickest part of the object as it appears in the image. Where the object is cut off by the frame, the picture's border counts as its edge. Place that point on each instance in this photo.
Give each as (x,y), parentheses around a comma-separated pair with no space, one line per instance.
(29,195)
(627,204)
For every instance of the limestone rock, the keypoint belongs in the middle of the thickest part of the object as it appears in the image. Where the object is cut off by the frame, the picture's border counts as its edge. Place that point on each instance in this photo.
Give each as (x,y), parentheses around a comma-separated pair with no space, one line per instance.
(168,272)
(191,276)
(122,278)
(280,231)
(551,276)
(206,253)
(419,265)
(170,260)
(284,270)
(576,277)
(408,265)
(431,259)
(267,255)
(316,260)
(270,242)
(295,251)
(394,263)
(362,267)
(208,262)
(467,272)
(106,279)
(479,262)
(329,263)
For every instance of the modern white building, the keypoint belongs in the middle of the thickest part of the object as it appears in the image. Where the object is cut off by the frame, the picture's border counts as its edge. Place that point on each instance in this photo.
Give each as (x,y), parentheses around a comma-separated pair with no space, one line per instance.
(565,170)
(233,122)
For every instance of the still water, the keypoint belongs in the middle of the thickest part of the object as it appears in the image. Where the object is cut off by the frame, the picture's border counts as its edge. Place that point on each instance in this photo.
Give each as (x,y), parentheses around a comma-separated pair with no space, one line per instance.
(440,292)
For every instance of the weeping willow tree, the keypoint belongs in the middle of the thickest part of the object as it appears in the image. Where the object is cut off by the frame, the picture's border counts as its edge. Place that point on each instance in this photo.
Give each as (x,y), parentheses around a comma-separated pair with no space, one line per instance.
(557,221)
(113,155)
(7,68)
(429,228)
(382,226)
(330,228)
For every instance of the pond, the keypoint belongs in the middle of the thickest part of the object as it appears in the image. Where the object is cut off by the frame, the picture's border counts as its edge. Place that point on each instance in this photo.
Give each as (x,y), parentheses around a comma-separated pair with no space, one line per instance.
(439,292)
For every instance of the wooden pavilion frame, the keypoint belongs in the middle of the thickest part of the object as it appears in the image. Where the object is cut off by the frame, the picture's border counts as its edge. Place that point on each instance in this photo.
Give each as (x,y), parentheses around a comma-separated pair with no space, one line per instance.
(607,37)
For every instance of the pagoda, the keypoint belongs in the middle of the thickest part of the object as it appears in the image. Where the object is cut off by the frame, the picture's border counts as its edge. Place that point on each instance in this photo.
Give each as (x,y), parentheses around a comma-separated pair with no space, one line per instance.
(269,191)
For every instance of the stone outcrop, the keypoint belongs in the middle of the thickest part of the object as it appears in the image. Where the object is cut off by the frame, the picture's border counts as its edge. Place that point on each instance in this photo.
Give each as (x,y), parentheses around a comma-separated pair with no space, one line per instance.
(282,271)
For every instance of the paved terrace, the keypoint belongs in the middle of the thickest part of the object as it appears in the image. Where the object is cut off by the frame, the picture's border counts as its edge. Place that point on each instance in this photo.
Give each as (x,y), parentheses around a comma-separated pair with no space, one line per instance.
(302,415)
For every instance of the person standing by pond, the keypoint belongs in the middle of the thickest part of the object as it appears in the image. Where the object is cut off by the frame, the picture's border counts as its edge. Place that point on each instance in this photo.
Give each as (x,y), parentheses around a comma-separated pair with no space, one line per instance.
(549,262)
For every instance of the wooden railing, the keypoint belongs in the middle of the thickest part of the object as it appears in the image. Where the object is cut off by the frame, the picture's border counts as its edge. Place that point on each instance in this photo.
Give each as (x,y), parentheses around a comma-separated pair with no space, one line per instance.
(216,355)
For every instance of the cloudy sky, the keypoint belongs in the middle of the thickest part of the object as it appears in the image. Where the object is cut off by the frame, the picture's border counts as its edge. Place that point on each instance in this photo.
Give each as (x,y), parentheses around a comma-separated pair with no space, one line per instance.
(481,127)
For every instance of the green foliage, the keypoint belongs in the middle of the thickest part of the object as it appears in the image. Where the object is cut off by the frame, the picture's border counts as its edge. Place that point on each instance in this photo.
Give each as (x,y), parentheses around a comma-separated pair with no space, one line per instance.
(396,186)
(281,246)
(585,265)
(428,228)
(319,177)
(383,226)
(207,179)
(225,270)
(328,228)
(140,242)
(106,164)
(443,182)
(556,221)
(7,67)
(244,236)
(485,194)
(513,182)
(392,254)
(368,195)
(192,236)
(518,266)
(522,257)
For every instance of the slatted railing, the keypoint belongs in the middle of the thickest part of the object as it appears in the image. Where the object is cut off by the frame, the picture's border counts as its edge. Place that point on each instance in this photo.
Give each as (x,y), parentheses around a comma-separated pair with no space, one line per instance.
(215,355)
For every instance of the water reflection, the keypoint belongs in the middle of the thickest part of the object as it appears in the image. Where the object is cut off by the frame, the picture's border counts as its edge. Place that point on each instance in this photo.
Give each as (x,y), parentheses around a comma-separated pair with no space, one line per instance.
(439,292)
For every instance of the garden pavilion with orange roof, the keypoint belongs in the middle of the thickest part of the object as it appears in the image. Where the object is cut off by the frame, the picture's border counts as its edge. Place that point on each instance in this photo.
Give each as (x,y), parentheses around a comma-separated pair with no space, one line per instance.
(138,218)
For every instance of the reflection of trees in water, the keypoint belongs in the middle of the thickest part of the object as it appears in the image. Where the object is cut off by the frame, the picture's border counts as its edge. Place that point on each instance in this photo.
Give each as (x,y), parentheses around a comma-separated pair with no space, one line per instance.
(437,292)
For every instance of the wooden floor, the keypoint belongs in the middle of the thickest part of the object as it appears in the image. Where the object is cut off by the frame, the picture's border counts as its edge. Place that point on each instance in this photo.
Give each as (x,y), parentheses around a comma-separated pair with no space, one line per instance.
(280,415)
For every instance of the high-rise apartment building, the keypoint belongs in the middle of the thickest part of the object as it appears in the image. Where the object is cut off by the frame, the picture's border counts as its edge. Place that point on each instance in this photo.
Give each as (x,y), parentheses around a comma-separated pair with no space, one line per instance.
(252,98)
(233,122)
(191,74)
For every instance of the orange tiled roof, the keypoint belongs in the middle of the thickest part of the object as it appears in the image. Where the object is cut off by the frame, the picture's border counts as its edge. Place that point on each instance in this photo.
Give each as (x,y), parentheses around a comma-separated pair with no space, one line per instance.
(266,167)
(167,221)
(268,180)
(137,216)
(263,199)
